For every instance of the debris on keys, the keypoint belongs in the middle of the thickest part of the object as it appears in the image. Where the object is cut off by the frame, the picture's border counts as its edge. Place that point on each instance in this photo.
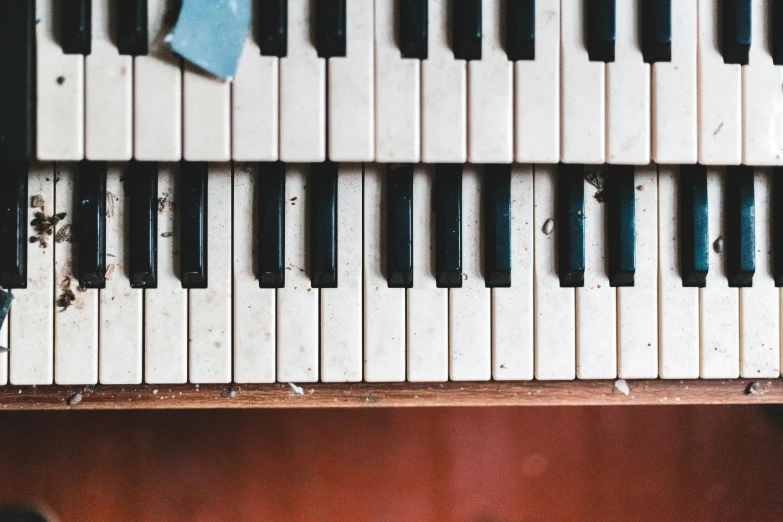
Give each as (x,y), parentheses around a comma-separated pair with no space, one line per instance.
(74,399)
(5,305)
(297,389)
(622,386)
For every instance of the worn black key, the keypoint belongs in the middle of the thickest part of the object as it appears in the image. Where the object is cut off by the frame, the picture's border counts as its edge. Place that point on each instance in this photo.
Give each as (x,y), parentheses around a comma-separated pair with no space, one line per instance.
(271,225)
(91,224)
(448,225)
(497,226)
(413,23)
(736,31)
(323,225)
(776,31)
(466,29)
(399,226)
(194,187)
(740,227)
(132,27)
(621,225)
(272,23)
(694,235)
(657,30)
(777,224)
(570,225)
(601,29)
(13,224)
(76,26)
(521,29)
(17,79)
(142,186)
(330,28)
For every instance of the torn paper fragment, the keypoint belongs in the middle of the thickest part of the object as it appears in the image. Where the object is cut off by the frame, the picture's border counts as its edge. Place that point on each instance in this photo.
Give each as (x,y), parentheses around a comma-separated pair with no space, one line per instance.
(297,389)
(5,305)
(212,34)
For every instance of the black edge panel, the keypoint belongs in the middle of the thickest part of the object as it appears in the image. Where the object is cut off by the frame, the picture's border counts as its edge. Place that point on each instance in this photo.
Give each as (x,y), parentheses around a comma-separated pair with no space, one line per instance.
(194,186)
(91,244)
(413,28)
(448,225)
(13,224)
(466,29)
(399,226)
(740,226)
(601,29)
(657,30)
(497,226)
(570,225)
(142,186)
(330,29)
(521,29)
(272,22)
(17,79)
(777,225)
(132,38)
(776,31)
(735,41)
(621,225)
(76,26)
(694,234)
(323,224)
(270,192)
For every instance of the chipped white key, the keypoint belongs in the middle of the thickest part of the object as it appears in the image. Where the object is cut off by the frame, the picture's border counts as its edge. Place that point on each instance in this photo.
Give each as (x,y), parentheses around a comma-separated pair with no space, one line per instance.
(206,116)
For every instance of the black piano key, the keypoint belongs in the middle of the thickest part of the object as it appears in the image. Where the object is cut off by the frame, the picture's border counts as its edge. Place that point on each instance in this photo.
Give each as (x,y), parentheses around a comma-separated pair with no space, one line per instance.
(521,29)
(601,30)
(466,29)
(13,224)
(777,224)
(91,241)
(448,225)
(736,31)
(776,31)
(570,225)
(323,225)
(497,226)
(142,186)
(132,36)
(330,28)
(621,225)
(271,225)
(413,28)
(194,191)
(76,26)
(657,30)
(694,235)
(399,226)
(740,226)
(272,23)
(17,80)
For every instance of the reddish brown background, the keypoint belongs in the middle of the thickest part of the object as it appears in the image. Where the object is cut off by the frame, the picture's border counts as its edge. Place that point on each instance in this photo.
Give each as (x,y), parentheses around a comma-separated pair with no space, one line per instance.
(471,464)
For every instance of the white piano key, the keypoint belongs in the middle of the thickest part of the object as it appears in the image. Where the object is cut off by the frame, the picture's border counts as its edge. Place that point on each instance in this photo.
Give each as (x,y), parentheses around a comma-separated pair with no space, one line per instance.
(443,93)
(490,93)
(759,304)
(674,91)
(384,307)
(397,93)
(718,303)
(75,326)
(351,88)
(254,307)
(120,326)
(166,307)
(108,92)
(637,306)
(537,92)
(582,89)
(157,93)
(209,310)
(31,356)
(4,354)
(206,116)
(720,115)
(596,302)
(297,303)
(628,92)
(512,308)
(302,90)
(60,90)
(341,307)
(678,306)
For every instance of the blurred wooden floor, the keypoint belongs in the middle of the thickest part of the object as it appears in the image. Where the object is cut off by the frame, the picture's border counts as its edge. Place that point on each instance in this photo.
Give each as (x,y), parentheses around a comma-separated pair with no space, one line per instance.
(481,464)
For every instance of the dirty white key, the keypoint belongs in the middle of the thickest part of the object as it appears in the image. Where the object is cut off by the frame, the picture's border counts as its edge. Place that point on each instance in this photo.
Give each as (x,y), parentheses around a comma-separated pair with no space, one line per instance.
(206,116)
(341,307)
(760,304)
(678,305)
(120,327)
(209,310)
(166,307)
(628,92)
(302,90)
(637,306)
(443,93)
(384,307)
(60,90)
(428,305)
(512,308)
(351,88)
(157,93)
(537,92)
(582,89)
(297,303)
(555,322)
(720,114)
